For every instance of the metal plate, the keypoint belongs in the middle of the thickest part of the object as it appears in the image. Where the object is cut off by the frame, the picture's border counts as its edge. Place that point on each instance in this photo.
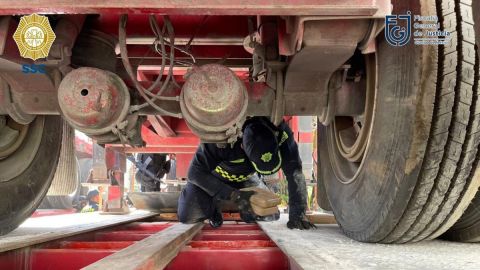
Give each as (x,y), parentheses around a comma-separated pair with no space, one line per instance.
(165,202)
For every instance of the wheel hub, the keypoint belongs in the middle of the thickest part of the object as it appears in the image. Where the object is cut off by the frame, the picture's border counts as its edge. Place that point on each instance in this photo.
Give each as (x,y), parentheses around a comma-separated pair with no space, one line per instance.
(348,136)
(214,103)
(12,135)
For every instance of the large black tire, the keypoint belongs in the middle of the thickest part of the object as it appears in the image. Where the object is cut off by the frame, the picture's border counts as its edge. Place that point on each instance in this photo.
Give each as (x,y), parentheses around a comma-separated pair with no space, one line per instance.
(415,177)
(56,202)
(21,194)
(467,228)
(66,182)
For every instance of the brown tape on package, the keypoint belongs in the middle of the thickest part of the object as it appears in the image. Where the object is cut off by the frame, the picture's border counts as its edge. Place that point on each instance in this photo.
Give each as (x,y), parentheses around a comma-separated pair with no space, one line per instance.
(264,198)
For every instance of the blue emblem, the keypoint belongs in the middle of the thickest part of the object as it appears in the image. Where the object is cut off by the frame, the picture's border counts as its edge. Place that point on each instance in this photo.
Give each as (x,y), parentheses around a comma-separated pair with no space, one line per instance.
(395,34)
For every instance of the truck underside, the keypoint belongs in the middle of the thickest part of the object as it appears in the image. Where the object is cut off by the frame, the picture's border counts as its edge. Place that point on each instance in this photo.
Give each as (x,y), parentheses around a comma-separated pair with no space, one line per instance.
(398,127)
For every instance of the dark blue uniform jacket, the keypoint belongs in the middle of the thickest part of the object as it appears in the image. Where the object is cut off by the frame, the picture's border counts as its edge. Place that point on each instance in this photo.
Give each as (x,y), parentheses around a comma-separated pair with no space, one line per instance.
(219,171)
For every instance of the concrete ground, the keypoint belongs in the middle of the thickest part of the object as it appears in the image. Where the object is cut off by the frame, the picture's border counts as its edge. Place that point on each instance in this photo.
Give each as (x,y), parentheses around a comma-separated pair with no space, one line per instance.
(328,248)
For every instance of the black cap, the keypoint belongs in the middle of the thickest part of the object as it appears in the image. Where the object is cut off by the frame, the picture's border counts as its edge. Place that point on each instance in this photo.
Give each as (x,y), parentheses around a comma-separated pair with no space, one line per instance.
(91,194)
(261,147)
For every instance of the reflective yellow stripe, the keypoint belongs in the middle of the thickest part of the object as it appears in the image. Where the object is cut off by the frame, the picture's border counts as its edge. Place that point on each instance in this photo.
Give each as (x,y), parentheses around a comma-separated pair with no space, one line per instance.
(284,138)
(274,169)
(231,177)
(87,209)
(240,160)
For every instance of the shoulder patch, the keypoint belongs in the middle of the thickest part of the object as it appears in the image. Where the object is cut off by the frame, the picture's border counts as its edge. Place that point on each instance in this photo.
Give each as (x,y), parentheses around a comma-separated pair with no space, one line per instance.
(284,138)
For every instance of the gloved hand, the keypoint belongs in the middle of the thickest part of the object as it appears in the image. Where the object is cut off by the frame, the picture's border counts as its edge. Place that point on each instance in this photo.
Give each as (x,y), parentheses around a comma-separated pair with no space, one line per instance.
(300,222)
(216,220)
(242,199)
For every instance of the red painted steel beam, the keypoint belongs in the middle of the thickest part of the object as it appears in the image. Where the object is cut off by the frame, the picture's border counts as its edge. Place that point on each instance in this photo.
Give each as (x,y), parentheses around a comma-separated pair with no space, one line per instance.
(152,72)
(246,245)
(232,231)
(213,259)
(65,259)
(236,227)
(213,26)
(83,147)
(159,149)
(13,259)
(116,245)
(183,163)
(122,236)
(150,226)
(152,139)
(202,7)
(232,244)
(162,128)
(204,236)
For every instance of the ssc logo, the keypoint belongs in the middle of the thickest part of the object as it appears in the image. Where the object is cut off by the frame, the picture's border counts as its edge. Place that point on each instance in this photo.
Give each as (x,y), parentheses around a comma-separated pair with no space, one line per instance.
(32,68)
(398,29)
(34,36)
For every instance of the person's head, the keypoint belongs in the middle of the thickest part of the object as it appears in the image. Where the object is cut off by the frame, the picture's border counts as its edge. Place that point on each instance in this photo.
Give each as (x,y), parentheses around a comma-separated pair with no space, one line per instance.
(116,173)
(93,196)
(261,147)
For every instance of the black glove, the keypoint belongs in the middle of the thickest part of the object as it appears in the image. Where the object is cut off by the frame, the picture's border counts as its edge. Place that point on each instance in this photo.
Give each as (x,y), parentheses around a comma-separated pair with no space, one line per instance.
(300,222)
(216,220)
(242,199)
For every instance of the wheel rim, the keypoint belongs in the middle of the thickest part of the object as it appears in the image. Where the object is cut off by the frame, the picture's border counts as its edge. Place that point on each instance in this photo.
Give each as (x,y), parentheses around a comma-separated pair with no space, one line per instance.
(17,155)
(348,136)
(12,134)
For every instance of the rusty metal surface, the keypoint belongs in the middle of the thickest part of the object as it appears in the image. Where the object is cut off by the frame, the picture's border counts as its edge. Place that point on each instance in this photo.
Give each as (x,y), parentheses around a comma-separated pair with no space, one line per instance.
(219,7)
(200,41)
(4,26)
(35,93)
(260,102)
(214,96)
(93,100)
(66,31)
(326,46)
(350,99)
(214,103)
(260,99)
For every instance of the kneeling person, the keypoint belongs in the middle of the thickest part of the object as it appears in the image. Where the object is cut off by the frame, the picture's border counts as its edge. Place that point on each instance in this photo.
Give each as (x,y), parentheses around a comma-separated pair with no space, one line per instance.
(219,173)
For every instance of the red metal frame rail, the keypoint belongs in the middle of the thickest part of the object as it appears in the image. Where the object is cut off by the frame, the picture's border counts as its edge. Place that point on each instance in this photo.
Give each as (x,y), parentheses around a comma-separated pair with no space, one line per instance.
(233,246)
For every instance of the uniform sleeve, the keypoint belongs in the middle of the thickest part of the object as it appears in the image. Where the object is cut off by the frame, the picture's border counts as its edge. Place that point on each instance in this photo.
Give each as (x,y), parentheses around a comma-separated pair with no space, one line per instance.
(289,150)
(200,172)
(292,168)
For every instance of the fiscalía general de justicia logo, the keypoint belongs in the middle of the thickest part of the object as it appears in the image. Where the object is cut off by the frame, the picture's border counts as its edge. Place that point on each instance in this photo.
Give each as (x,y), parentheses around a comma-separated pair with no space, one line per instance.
(426,30)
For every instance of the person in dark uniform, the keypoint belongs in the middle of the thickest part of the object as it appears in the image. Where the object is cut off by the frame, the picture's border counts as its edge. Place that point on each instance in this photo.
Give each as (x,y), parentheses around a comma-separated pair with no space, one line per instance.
(157,164)
(217,173)
(93,198)
(116,177)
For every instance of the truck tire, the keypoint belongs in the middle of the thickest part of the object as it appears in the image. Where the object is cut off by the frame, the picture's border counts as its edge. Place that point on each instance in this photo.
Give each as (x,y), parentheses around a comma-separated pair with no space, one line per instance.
(467,228)
(415,176)
(26,173)
(56,202)
(66,182)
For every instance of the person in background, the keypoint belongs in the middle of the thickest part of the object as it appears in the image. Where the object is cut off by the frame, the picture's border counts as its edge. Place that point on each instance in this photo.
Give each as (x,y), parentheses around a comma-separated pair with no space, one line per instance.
(156,164)
(116,177)
(172,174)
(93,199)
